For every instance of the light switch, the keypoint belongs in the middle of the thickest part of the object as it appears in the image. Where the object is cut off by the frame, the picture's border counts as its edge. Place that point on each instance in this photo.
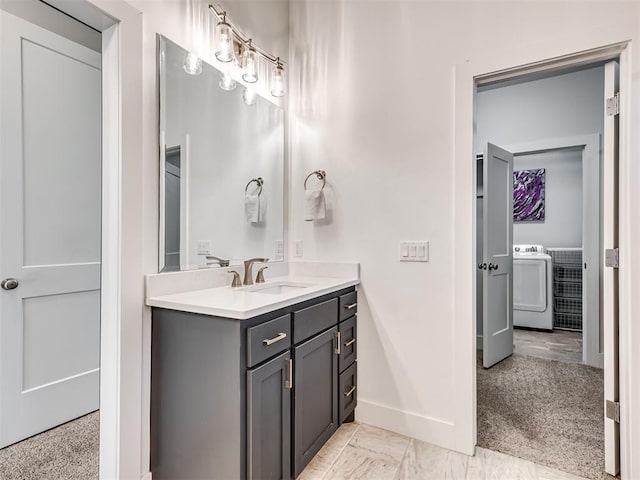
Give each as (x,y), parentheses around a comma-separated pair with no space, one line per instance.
(417,251)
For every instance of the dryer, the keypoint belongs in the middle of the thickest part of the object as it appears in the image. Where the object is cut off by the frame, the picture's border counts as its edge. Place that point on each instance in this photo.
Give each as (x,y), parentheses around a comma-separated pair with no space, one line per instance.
(532,287)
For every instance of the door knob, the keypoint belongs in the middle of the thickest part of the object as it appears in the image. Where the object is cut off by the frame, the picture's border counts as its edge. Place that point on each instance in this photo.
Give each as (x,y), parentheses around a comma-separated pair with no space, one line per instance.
(9,284)
(482,266)
(493,267)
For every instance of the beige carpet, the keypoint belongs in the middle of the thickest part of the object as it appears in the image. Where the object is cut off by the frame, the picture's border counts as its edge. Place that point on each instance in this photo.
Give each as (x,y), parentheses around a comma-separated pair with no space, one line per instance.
(544,411)
(67,452)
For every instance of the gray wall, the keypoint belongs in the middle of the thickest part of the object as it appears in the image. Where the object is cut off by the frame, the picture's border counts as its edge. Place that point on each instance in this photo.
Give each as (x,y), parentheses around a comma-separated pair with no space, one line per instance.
(562,226)
(556,107)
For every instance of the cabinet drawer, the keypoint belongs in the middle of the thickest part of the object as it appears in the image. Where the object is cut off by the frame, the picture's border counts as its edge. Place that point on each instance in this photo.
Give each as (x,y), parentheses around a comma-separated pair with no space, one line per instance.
(348,305)
(347,391)
(347,343)
(268,339)
(311,320)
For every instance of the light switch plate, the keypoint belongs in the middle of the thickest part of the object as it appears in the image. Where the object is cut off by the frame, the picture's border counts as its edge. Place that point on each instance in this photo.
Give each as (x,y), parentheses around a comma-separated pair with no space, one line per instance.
(414,251)
(297,248)
(204,247)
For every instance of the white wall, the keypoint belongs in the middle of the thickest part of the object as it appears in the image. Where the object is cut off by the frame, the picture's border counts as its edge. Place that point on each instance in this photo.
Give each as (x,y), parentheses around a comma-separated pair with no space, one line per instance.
(373,102)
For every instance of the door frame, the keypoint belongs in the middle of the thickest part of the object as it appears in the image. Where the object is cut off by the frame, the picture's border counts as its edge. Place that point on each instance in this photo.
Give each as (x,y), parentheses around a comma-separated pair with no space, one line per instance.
(467,76)
(122,293)
(590,153)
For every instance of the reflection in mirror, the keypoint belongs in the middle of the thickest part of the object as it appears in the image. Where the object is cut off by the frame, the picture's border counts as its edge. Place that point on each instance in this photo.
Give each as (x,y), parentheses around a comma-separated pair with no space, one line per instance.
(222,169)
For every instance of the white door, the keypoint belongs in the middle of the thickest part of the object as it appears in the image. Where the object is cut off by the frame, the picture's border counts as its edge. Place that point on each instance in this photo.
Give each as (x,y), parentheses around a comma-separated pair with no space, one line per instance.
(50,184)
(610,275)
(497,262)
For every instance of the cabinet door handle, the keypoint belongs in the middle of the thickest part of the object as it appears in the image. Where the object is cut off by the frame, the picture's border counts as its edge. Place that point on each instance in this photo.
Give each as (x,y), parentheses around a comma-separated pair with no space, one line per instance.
(288,383)
(351,305)
(277,338)
(351,390)
(350,342)
(337,349)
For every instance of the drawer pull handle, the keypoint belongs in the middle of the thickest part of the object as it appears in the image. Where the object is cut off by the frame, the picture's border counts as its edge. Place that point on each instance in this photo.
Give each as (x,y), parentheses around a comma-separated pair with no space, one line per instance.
(277,338)
(337,349)
(350,342)
(351,306)
(289,382)
(351,390)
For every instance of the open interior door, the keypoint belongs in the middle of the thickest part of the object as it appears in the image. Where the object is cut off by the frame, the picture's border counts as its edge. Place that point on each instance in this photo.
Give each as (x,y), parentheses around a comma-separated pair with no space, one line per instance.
(497,261)
(610,271)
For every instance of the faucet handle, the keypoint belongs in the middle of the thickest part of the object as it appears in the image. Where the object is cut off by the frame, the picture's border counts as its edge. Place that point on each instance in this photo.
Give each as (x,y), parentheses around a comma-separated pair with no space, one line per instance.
(236,279)
(260,276)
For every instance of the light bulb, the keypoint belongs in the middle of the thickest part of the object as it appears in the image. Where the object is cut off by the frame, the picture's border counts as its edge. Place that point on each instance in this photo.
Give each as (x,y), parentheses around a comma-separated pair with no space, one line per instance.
(249,75)
(192,64)
(227,82)
(249,95)
(277,80)
(224,38)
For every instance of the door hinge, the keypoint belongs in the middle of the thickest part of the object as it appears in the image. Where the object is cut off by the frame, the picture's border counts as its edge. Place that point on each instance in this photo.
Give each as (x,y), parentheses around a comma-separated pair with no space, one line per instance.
(612,258)
(613,105)
(613,411)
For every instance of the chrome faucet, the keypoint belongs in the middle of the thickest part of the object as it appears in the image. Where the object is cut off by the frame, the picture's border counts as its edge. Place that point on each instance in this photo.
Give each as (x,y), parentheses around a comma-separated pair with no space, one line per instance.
(220,261)
(248,264)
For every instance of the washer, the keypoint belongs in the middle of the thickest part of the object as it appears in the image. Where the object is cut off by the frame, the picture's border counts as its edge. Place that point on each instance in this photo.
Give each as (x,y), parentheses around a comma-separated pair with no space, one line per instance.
(532,287)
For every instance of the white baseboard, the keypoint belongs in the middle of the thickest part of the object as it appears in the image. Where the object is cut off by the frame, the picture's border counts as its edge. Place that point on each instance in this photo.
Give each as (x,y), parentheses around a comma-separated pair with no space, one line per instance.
(146,476)
(427,429)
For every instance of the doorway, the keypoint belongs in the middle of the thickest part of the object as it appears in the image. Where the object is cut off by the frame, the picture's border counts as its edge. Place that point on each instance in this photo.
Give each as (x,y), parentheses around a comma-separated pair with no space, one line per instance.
(531,389)
(50,230)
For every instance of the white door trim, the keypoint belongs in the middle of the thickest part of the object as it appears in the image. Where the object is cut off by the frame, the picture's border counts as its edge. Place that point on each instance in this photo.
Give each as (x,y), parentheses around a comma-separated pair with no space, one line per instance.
(122,219)
(590,145)
(466,77)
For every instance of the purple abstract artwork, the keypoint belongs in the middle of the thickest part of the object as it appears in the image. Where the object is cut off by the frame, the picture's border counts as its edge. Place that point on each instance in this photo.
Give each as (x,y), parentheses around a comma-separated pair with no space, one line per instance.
(528,195)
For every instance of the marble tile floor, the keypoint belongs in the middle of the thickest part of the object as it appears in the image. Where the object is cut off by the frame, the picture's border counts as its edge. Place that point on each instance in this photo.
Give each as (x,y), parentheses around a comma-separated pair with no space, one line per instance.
(561,345)
(359,451)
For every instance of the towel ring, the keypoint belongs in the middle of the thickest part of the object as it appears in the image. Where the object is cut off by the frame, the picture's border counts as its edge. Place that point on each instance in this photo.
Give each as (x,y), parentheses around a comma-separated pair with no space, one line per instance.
(259,181)
(320,175)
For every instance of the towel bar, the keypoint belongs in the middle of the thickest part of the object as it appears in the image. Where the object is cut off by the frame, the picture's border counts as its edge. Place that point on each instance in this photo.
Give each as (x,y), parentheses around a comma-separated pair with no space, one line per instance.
(259,181)
(320,174)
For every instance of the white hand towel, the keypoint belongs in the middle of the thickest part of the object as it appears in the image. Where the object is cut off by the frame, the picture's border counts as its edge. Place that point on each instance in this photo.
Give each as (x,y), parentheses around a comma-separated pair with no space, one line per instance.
(314,205)
(252,208)
(262,209)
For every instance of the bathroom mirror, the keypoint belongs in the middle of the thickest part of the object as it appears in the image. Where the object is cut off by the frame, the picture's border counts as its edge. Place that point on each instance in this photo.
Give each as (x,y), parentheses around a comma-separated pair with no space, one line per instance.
(221,168)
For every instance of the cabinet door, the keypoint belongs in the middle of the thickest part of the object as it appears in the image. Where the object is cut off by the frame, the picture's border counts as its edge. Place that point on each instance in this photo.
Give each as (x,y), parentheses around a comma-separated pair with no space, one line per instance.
(315,396)
(269,420)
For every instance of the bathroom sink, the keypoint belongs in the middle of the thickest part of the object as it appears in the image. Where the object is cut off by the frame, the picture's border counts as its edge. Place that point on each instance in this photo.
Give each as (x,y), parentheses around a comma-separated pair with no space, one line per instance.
(278,288)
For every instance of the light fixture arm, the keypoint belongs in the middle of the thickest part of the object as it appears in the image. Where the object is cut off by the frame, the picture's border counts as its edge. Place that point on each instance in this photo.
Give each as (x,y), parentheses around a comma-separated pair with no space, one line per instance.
(221,15)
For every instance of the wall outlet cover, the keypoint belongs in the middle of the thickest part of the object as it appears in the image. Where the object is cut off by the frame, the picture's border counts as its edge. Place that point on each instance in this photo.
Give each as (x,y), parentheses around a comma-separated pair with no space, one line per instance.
(204,247)
(297,248)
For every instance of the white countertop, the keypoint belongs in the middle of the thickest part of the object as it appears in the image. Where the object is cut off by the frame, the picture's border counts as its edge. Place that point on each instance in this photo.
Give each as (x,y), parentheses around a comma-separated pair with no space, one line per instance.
(241,303)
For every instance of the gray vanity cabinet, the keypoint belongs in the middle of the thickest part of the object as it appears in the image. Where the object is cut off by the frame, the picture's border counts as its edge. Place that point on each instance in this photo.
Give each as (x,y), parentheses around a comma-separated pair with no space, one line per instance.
(250,399)
(315,396)
(269,419)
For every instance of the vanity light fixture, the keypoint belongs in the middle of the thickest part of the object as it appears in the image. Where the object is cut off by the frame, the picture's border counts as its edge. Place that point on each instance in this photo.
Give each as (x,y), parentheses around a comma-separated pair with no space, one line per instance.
(249,95)
(224,40)
(227,82)
(231,42)
(277,80)
(250,74)
(192,64)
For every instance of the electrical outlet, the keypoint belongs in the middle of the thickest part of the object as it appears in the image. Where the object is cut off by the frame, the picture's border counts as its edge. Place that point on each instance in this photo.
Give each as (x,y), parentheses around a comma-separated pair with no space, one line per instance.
(279,250)
(417,251)
(204,247)
(297,248)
